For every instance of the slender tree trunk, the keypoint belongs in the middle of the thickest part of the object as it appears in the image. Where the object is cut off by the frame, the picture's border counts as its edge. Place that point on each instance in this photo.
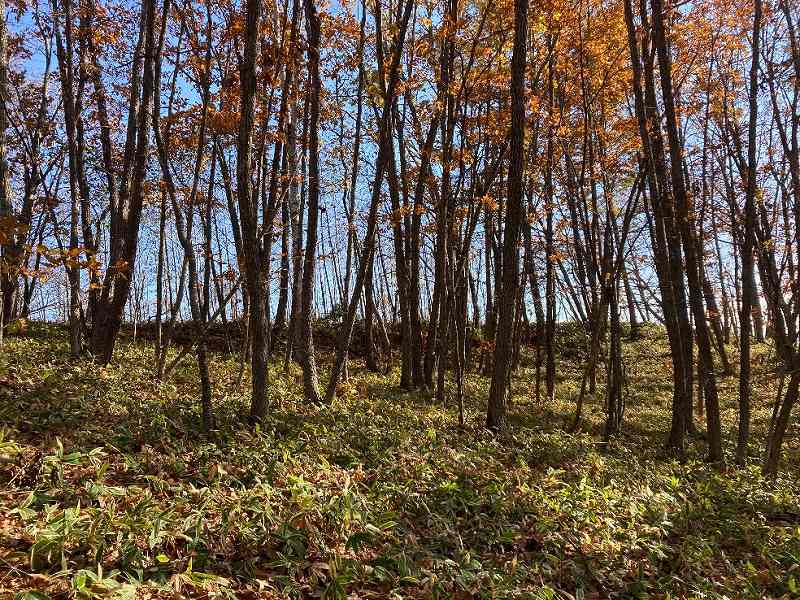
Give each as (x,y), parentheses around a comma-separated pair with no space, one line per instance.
(748,248)
(775,439)
(419,369)
(8,279)
(496,413)
(550,274)
(665,242)
(296,211)
(310,379)
(69,101)
(693,263)
(368,247)
(248,213)
(369,318)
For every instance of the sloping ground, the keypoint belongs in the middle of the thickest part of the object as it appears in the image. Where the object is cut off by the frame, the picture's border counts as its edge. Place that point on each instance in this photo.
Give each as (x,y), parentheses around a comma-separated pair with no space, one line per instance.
(220,337)
(107,490)
(227,337)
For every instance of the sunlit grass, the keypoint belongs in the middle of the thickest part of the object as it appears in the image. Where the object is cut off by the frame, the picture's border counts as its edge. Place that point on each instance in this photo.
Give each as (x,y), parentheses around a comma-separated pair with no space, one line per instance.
(109,488)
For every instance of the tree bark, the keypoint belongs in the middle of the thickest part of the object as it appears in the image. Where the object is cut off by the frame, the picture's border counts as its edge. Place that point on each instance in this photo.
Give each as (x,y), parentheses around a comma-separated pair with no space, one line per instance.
(496,413)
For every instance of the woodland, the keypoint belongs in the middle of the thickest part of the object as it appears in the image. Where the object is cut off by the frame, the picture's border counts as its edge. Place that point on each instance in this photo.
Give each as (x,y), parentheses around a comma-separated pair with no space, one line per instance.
(399,299)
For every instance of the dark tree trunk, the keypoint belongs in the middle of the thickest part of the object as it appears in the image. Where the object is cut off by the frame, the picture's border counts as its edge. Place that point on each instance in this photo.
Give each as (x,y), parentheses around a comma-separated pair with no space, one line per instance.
(310,379)
(368,247)
(749,297)
(126,207)
(496,413)
(248,215)
(693,263)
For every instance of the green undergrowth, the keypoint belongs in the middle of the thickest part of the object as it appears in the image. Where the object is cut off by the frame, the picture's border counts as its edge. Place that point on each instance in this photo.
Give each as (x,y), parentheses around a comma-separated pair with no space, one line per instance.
(108,489)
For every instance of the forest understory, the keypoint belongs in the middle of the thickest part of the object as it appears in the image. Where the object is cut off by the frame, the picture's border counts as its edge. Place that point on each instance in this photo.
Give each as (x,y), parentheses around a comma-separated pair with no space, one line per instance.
(109,490)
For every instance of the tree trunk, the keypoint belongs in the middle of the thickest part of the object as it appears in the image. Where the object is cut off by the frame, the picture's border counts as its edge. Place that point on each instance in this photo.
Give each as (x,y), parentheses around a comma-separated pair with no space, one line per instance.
(126,208)
(310,379)
(749,297)
(248,214)
(496,413)
(693,262)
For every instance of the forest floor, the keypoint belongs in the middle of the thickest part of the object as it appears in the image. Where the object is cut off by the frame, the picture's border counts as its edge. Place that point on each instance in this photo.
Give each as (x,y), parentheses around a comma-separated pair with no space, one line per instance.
(107,488)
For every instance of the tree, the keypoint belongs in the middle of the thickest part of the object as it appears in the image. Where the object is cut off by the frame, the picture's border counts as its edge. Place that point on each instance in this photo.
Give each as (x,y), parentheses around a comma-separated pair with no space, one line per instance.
(248,213)
(496,414)
(310,380)
(126,205)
